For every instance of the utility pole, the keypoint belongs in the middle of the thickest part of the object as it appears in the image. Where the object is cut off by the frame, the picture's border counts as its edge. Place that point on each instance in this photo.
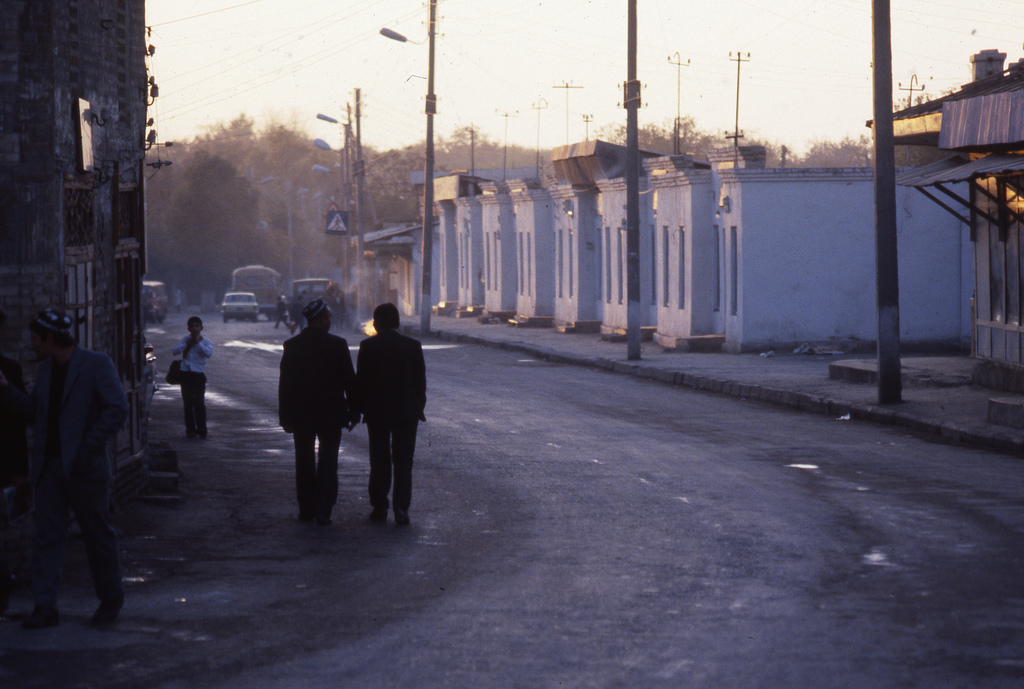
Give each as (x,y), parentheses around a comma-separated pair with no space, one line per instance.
(538,106)
(566,85)
(736,136)
(678,62)
(504,156)
(910,103)
(427,277)
(890,383)
(632,103)
(472,149)
(912,89)
(587,119)
(362,307)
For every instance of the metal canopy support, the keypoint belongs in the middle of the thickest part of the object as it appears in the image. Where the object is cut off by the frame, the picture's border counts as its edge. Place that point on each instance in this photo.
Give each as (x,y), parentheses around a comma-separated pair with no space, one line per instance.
(942,204)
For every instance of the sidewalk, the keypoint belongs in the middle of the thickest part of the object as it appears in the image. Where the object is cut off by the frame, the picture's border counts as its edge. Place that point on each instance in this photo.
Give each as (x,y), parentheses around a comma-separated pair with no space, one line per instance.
(938,397)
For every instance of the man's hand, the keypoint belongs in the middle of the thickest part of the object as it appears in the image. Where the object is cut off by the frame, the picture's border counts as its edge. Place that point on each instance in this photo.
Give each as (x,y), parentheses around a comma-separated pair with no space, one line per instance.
(288,429)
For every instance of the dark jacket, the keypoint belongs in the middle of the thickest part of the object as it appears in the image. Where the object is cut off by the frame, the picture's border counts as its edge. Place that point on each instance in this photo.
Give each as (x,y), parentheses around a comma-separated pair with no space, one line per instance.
(391,379)
(93,410)
(317,380)
(13,438)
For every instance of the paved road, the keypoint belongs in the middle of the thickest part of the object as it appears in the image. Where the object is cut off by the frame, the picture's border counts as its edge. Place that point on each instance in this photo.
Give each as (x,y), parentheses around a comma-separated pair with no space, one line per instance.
(571,528)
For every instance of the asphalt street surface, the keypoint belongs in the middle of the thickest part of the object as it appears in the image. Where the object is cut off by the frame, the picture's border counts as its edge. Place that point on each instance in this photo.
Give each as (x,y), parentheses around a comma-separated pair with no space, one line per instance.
(570,528)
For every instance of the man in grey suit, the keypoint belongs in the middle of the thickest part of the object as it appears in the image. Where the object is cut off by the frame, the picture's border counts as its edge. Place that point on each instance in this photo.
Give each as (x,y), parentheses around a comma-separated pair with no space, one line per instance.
(76,406)
(391,393)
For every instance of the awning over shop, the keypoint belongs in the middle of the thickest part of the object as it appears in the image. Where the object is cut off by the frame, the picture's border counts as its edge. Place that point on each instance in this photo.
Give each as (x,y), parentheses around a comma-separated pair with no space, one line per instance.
(960,168)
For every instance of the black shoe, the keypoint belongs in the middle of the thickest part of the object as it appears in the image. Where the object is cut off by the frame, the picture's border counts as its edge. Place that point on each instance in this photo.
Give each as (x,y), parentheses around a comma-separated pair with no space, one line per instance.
(323,522)
(401,517)
(41,618)
(7,585)
(202,435)
(379,514)
(108,612)
(303,517)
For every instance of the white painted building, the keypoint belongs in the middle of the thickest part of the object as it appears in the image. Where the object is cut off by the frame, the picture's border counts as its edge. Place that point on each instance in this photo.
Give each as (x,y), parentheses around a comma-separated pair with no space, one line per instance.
(688,278)
(469,236)
(500,274)
(535,251)
(797,259)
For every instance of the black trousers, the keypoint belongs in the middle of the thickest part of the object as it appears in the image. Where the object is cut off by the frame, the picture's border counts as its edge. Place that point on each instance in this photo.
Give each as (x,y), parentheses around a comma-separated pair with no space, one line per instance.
(316,482)
(193,394)
(391,445)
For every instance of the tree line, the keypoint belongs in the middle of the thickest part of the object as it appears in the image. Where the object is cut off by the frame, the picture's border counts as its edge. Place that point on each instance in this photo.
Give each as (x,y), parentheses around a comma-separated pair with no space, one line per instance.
(238,195)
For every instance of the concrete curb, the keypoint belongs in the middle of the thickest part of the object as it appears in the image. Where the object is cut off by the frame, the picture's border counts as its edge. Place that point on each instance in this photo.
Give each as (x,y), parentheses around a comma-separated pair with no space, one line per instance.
(945,431)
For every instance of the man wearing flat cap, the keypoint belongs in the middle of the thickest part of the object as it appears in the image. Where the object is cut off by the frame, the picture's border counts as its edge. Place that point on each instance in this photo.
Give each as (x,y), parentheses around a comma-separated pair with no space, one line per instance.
(76,407)
(314,393)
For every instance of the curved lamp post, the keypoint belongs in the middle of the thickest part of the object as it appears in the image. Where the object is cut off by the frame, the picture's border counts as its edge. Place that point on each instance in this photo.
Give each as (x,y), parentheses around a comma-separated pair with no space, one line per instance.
(428,173)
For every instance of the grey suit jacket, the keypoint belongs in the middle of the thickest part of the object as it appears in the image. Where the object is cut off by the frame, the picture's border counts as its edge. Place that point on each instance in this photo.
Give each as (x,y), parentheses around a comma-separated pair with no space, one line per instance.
(93,409)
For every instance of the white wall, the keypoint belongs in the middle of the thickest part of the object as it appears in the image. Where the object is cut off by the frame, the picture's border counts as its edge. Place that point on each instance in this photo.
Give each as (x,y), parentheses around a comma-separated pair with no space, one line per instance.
(806,260)
(534,221)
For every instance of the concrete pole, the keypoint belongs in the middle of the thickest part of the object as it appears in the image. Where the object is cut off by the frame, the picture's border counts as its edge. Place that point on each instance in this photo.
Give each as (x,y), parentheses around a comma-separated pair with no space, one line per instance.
(886,266)
(632,195)
(428,182)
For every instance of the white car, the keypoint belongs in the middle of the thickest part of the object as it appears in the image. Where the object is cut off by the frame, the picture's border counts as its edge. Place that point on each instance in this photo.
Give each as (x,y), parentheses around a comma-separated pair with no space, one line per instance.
(241,306)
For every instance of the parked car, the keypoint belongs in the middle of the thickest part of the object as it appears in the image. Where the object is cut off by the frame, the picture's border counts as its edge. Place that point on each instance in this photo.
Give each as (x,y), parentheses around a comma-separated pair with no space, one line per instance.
(241,306)
(154,301)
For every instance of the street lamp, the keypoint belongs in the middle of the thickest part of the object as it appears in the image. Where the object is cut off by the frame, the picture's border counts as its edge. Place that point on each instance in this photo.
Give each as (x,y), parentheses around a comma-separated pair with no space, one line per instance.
(428,172)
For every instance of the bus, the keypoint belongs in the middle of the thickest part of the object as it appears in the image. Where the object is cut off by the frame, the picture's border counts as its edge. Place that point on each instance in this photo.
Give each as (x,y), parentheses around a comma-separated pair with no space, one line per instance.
(305,291)
(262,281)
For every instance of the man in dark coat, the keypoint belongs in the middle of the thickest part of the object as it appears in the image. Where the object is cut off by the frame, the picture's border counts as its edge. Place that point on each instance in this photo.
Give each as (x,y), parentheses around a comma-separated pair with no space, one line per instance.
(317,382)
(77,405)
(13,461)
(391,384)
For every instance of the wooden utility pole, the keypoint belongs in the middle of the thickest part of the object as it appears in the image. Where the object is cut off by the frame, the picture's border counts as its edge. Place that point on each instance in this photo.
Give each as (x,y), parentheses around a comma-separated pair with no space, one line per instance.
(678,62)
(504,154)
(736,135)
(542,104)
(566,85)
(362,270)
(632,104)
(890,384)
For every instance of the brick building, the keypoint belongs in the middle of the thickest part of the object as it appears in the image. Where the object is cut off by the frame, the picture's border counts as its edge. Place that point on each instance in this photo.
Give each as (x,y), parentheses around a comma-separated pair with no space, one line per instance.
(73,99)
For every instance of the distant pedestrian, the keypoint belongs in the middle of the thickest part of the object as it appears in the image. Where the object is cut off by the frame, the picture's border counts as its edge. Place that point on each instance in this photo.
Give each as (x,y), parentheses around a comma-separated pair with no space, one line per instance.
(76,407)
(295,315)
(282,311)
(13,464)
(391,394)
(178,298)
(314,393)
(195,349)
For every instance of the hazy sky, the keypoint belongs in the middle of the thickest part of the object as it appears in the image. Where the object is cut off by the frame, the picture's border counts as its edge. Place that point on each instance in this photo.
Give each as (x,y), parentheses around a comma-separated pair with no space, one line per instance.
(809,74)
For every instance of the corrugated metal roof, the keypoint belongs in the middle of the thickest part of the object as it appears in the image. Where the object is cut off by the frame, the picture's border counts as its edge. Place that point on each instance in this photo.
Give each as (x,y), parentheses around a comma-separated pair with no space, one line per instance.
(585,162)
(1010,80)
(960,169)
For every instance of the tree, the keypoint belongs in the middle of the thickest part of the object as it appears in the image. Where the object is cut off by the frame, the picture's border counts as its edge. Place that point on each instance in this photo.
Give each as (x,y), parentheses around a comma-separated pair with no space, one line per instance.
(845,153)
(212,228)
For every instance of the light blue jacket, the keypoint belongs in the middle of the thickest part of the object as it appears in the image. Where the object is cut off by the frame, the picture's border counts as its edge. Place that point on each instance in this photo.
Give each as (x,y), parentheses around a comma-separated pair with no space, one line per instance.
(93,410)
